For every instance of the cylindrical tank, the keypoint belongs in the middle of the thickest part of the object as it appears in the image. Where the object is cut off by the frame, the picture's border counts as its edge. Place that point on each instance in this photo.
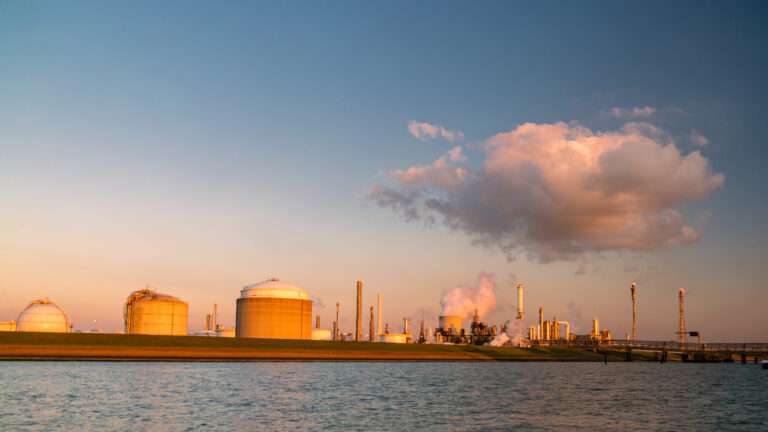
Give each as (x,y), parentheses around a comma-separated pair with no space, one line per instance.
(321,334)
(450,322)
(152,313)
(43,315)
(225,332)
(274,309)
(394,338)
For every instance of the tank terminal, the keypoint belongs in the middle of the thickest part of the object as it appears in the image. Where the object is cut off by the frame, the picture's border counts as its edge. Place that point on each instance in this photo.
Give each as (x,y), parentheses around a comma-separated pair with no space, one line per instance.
(276,309)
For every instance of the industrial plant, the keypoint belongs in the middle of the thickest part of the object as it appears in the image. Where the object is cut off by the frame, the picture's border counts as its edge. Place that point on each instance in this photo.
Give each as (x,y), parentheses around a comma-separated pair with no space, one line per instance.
(276,309)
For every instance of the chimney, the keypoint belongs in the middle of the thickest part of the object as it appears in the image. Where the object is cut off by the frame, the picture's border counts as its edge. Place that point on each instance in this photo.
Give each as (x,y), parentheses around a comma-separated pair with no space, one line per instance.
(359,313)
(633,290)
(541,322)
(371,328)
(681,329)
(379,319)
(520,305)
(317,321)
(337,324)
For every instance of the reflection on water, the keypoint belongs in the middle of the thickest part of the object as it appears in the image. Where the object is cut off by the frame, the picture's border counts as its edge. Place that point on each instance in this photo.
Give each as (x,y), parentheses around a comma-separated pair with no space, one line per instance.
(381,396)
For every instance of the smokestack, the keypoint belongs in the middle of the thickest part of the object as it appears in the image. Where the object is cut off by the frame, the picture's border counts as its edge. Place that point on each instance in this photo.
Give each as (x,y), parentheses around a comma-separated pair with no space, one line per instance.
(541,322)
(379,327)
(681,329)
(596,328)
(317,321)
(215,316)
(337,324)
(371,328)
(520,305)
(633,290)
(359,313)
(405,325)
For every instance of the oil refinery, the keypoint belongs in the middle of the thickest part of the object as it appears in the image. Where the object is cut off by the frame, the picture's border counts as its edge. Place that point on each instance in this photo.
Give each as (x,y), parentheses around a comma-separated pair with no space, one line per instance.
(276,309)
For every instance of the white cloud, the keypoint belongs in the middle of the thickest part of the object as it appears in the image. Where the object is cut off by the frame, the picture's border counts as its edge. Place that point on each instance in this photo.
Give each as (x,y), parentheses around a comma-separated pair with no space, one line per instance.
(442,173)
(425,131)
(557,191)
(699,139)
(632,113)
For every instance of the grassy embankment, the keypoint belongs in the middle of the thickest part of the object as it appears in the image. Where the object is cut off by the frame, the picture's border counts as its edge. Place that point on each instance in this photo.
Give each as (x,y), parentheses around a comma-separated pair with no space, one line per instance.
(86,346)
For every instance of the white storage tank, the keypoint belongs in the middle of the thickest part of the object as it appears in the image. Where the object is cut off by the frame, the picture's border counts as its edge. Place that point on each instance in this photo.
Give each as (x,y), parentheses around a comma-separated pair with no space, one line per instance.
(321,334)
(152,313)
(43,315)
(395,338)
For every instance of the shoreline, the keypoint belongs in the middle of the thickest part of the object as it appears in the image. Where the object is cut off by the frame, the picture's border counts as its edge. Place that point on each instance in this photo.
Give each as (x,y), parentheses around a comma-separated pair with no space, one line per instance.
(142,348)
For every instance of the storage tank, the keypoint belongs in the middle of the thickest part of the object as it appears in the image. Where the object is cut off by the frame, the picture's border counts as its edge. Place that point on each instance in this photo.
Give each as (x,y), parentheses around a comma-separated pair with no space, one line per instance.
(225,332)
(274,309)
(450,321)
(8,326)
(43,315)
(394,338)
(321,334)
(152,313)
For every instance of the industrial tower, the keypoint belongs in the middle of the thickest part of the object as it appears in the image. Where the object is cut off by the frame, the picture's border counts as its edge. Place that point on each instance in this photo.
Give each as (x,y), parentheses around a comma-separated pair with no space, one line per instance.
(520,305)
(379,319)
(633,289)
(359,313)
(681,329)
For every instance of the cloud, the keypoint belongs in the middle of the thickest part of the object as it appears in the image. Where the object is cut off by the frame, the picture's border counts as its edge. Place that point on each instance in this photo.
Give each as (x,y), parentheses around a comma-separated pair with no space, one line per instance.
(699,139)
(632,113)
(425,131)
(441,173)
(560,191)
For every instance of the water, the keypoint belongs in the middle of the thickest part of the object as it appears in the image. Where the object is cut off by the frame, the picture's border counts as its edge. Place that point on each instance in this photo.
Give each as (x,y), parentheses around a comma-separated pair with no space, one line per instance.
(381,396)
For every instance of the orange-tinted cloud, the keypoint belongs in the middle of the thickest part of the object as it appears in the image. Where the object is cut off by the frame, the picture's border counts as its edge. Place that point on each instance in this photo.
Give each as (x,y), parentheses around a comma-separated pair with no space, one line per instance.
(556,191)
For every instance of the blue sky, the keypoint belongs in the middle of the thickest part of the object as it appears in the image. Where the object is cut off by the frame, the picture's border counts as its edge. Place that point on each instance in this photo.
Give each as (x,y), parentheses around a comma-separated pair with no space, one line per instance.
(198,147)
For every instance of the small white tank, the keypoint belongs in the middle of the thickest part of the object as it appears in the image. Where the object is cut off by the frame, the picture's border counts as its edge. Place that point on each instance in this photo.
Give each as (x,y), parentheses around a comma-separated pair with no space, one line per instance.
(321,334)
(395,338)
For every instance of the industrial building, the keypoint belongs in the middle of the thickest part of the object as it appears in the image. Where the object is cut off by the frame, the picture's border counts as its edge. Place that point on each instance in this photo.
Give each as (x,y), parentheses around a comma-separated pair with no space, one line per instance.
(7,326)
(43,315)
(151,313)
(274,309)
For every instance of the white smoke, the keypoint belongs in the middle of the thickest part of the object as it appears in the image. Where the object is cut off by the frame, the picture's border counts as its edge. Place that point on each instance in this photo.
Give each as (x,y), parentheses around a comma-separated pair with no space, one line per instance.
(463,301)
(512,337)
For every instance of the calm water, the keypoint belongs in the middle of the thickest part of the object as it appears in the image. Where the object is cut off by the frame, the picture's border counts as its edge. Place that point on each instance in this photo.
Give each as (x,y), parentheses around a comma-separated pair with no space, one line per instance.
(381,396)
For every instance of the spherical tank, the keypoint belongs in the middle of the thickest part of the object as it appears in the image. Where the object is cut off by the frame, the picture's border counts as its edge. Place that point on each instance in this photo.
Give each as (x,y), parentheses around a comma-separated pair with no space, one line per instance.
(152,313)
(273,309)
(43,316)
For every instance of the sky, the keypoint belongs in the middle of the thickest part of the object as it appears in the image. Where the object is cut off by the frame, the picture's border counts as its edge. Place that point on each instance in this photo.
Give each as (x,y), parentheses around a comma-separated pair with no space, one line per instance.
(197,147)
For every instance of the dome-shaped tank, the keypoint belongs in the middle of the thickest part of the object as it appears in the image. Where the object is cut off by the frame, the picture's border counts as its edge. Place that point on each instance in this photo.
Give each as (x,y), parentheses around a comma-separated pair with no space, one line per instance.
(152,313)
(274,309)
(43,316)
